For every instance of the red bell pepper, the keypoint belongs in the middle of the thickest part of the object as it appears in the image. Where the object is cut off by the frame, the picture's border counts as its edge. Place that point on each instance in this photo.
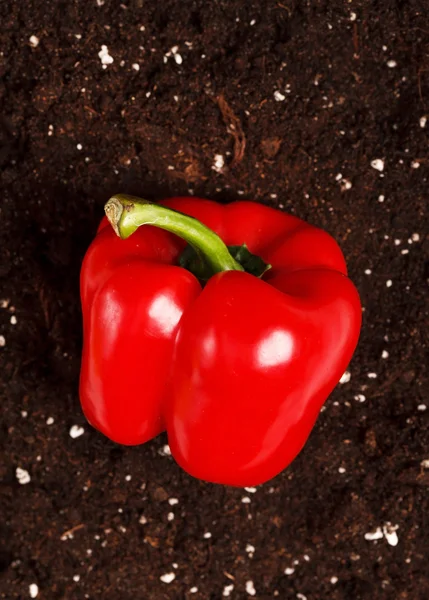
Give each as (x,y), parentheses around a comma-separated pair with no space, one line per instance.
(235,365)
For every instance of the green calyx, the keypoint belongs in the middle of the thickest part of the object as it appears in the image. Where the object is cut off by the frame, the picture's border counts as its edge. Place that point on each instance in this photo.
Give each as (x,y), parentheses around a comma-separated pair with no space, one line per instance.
(206,253)
(251,263)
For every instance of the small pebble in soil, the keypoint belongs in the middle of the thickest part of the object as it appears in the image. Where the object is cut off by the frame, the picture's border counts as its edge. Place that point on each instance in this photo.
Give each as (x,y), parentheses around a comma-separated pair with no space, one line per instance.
(353,16)
(405,251)
(22,476)
(334,580)
(250,550)
(368,271)
(227,590)
(76,578)
(289,571)
(345,377)
(245,500)
(173,501)
(425,463)
(278,96)
(378,164)
(2,341)
(385,354)
(250,588)
(392,64)
(341,470)
(219,163)
(135,66)
(251,490)
(207,535)
(374,535)
(174,52)
(389,283)
(301,597)
(142,520)
(390,534)
(105,57)
(423,121)
(165,450)
(193,590)
(371,375)
(127,477)
(170,516)
(415,164)
(49,421)
(168,577)
(33,588)
(34,41)
(13,320)
(421,407)
(76,431)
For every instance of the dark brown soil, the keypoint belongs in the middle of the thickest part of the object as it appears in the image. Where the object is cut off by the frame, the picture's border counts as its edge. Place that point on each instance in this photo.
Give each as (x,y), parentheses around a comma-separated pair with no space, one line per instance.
(73,133)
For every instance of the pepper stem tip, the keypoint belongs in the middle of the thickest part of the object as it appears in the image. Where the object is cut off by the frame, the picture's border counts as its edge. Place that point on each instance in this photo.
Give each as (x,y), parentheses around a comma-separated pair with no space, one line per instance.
(114,210)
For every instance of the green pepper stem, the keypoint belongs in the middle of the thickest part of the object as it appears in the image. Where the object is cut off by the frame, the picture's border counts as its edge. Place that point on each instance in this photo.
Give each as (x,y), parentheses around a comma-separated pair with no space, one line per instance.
(127,213)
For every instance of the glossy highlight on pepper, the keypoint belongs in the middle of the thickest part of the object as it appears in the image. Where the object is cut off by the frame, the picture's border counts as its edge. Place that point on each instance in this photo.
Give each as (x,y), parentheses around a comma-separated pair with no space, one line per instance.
(235,365)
